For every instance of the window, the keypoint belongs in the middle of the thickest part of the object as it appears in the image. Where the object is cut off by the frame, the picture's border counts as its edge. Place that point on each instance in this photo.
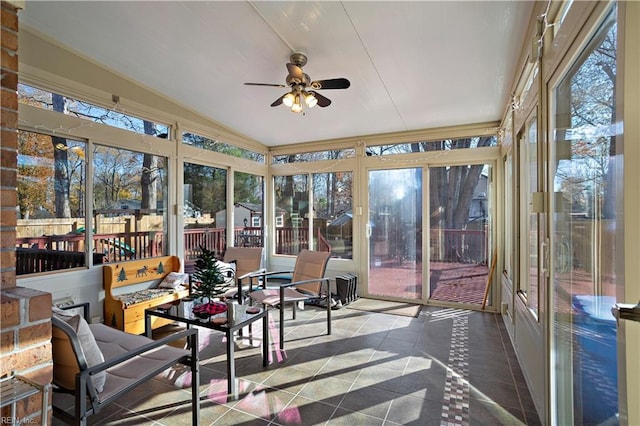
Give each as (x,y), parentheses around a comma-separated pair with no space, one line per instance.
(531,208)
(425,146)
(314,156)
(509,217)
(314,211)
(128,210)
(248,197)
(205,211)
(332,212)
(51,203)
(85,110)
(218,146)
(291,195)
(130,204)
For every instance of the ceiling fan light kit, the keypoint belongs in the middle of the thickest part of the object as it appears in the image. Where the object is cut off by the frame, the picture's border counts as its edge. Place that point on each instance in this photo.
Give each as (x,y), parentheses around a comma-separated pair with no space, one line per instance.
(298,81)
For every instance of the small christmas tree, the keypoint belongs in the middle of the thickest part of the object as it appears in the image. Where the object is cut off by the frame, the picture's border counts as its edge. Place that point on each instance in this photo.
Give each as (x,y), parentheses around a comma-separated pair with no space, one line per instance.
(209,280)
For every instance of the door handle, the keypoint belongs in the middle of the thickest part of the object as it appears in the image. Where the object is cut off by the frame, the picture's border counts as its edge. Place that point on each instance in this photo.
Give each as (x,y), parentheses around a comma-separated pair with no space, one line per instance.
(627,311)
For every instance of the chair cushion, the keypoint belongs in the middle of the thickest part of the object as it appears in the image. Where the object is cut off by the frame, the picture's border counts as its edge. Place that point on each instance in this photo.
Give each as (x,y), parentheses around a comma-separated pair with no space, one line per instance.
(92,353)
(271,296)
(114,343)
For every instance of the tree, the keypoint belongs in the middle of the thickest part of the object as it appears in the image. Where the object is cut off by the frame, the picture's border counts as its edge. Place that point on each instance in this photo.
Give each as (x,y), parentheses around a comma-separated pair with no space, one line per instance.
(149,175)
(210,281)
(62,183)
(116,174)
(451,190)
(34,179)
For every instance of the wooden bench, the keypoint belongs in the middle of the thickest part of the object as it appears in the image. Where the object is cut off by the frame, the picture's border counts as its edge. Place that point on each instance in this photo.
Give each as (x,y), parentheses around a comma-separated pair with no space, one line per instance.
(131,287)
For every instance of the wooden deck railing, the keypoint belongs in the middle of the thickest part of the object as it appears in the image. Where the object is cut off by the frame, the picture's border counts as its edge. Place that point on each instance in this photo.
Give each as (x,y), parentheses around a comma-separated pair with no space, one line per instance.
(41,254)
(32,260)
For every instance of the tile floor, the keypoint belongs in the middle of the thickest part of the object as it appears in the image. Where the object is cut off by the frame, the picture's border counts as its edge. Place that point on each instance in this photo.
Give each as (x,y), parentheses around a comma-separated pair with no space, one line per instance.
(445,367)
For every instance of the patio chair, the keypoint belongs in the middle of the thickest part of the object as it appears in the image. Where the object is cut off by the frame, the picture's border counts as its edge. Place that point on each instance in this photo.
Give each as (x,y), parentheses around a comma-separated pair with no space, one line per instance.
(249,264)
(98,364)
(307,283)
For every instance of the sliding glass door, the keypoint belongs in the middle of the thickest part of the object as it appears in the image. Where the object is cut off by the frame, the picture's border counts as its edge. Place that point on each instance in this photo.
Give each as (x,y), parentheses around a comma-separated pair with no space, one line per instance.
(584,235)
(395,233)
(460,254)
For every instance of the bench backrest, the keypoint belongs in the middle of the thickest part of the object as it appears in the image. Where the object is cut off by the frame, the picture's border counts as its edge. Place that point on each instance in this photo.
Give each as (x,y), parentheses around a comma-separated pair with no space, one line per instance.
(132,272)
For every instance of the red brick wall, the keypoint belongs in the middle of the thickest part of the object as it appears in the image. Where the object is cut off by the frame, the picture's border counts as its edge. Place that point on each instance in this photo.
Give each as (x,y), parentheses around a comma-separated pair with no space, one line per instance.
(25,314)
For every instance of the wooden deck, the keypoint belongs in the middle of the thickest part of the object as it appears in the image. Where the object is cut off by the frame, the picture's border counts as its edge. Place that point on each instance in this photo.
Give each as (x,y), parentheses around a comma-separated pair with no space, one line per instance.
(449,282)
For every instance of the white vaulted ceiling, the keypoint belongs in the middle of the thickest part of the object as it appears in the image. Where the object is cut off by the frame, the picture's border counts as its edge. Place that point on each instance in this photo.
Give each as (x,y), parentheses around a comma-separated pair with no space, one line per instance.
(412,65)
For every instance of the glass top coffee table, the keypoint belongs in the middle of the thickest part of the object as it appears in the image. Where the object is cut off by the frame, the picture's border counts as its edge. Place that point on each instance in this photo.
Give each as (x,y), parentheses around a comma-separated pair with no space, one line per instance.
(182,312)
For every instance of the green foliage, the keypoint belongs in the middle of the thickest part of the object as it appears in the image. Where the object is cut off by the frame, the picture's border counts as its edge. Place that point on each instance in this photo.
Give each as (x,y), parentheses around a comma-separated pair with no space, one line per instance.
(209,280)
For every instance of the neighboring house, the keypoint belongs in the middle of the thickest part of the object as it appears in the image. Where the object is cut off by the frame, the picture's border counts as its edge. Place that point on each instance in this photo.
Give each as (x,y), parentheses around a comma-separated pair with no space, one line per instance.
(244,215)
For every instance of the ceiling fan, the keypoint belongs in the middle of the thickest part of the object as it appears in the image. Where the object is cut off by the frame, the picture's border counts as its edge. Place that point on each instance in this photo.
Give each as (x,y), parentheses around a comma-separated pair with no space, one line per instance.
(302,88)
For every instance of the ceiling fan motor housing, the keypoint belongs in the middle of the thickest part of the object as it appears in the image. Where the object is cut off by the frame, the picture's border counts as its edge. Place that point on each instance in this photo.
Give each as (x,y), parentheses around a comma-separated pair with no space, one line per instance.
(299,59)
(293,80)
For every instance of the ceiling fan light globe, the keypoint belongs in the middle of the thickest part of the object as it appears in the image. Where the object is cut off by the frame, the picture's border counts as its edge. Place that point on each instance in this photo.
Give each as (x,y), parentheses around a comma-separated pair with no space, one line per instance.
(297,107)
(310,100)
(288,99)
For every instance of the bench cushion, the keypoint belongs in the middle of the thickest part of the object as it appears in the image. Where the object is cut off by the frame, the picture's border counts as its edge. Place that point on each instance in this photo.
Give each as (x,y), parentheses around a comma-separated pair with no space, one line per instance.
(114,343)
(132,298)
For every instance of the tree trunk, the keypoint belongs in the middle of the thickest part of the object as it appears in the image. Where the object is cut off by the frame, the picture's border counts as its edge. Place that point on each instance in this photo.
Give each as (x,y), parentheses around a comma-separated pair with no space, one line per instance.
(149,176)
(61,181)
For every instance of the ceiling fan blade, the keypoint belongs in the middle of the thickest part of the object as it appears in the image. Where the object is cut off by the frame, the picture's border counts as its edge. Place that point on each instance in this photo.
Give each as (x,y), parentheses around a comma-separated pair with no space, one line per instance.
(332,83)
(278,101)
(322,100)
(265,84)
(295,72)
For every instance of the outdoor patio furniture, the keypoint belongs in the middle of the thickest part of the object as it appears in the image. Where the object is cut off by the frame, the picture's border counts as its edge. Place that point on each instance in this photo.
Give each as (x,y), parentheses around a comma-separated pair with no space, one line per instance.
(249,263)
(307,282)
(98,364)
(131,287)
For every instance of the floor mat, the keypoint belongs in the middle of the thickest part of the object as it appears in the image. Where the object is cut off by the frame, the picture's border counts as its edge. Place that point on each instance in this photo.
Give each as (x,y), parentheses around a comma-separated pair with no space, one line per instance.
(385,307)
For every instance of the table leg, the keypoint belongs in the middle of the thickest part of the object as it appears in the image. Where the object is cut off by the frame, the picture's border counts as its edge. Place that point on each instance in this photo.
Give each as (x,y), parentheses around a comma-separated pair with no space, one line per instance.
(231,365)
(147,325)
(265,340)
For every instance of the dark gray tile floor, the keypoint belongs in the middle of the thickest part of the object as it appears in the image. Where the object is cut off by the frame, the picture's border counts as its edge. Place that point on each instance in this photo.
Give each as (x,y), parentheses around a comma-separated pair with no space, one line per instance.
(445,367)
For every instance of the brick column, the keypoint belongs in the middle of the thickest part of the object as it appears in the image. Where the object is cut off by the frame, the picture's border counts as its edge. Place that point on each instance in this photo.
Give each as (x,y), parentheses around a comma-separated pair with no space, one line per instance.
(25,314)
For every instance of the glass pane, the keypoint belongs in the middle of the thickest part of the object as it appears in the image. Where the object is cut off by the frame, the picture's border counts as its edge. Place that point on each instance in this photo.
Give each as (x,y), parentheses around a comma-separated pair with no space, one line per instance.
(459,240)
(395,223)
(291,214)
(584,228)
(130,204)
(314,156)
(425,146)
(510,245)
(205,210)
(332,213)
(85,110)
(529,285)
(51,200)
(218,146)
(248,196)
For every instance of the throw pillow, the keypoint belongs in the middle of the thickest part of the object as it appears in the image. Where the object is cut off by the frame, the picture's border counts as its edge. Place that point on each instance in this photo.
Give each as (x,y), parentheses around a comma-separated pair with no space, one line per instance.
(174,280)
(228,271)
(92,353)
